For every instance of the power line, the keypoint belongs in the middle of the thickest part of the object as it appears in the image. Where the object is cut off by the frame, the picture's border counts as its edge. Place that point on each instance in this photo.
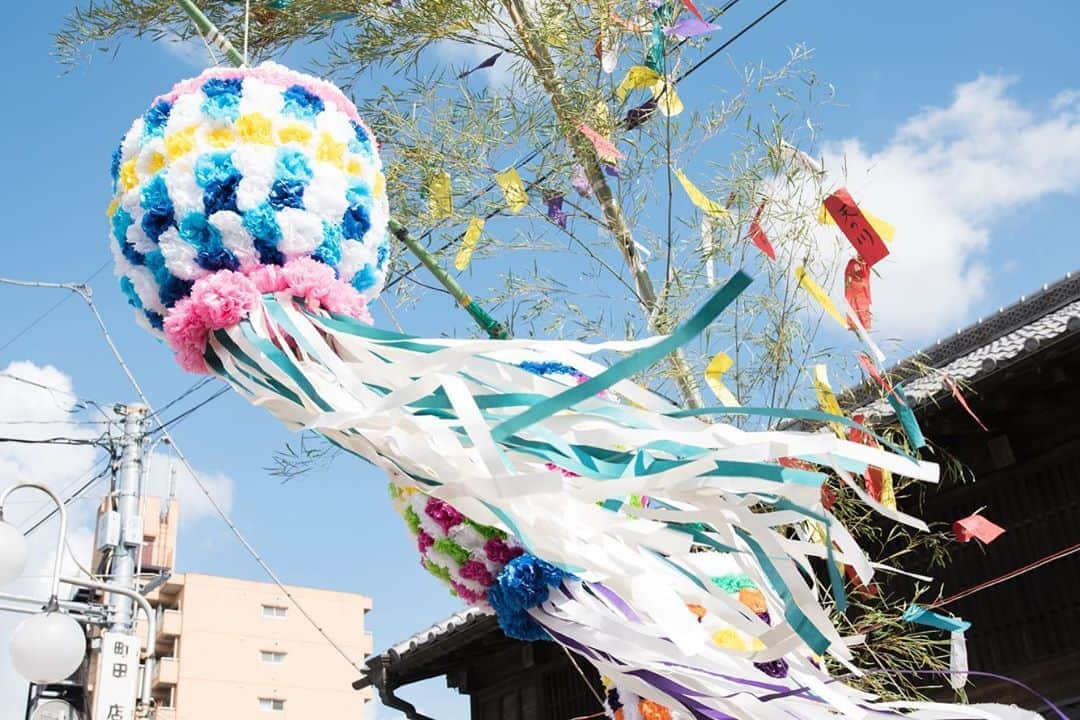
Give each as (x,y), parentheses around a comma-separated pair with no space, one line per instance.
(85,293)
(199,385)
(49,311)
(100,473)
(221,391)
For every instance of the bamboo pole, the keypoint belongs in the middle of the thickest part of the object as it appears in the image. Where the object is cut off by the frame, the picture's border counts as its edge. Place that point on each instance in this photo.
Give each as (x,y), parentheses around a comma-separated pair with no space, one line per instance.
(658,320)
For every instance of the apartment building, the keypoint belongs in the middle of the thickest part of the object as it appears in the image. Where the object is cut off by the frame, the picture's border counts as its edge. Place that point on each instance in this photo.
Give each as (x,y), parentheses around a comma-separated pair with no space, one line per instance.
(238,649)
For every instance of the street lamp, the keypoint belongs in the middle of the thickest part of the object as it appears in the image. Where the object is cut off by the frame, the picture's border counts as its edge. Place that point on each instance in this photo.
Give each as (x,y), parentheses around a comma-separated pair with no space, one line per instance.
(48,646)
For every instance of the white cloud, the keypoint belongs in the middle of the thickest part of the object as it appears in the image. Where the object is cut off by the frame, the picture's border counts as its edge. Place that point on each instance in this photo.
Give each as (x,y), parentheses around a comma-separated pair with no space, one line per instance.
(29,412)
(164,472)
(945,178)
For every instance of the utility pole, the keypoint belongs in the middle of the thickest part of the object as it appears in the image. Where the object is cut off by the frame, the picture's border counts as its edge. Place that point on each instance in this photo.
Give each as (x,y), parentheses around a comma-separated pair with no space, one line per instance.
(125,560)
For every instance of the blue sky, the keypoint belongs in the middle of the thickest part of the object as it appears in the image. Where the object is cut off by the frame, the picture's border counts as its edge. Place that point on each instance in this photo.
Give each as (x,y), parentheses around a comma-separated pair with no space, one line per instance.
(985,186)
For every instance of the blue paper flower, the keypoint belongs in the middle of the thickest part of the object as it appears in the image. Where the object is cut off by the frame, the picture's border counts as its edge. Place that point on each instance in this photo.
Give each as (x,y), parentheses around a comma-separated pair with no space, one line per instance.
(222,98)
(128,288)
(364,278)
(301,103)
(522,584)
(329,252)
(262,224)
(155,118)
(158,217)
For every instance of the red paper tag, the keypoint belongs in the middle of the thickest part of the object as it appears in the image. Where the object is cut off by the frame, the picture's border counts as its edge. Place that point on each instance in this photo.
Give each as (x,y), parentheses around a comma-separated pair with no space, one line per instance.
(853,578)
(857,290)
(758,236)
(963,403)
(976,526)
(868,365)
(875,481)
(856,228)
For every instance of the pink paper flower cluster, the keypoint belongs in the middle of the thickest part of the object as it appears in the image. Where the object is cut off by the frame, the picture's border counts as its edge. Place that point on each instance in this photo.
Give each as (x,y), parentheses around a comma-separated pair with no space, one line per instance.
(224,298)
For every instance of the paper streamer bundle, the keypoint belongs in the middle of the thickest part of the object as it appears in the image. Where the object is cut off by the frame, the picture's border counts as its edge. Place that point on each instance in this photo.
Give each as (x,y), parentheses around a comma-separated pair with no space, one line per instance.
(249,226)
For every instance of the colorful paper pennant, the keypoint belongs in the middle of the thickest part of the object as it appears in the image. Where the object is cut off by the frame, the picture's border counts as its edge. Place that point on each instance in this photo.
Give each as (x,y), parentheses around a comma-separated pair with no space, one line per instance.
(976,526)
(868,365)
(667,100)
(857,291)
(690,27)
(884,229)
(906,416)
(856,228)
(468,243)
(440,201)
(610,170)
(555,210)
(958,660)
(924,616)
(825,396)
(580,182)
(637,77)
(963,403)
(698,198)
(489,62)
(878,482)
(820,296)
(758,236)
(879,485)
(604,147)
(513,189)
(714,373)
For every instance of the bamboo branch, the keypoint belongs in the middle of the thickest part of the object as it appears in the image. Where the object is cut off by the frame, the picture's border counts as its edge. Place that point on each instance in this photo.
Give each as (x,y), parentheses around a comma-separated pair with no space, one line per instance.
(539,57)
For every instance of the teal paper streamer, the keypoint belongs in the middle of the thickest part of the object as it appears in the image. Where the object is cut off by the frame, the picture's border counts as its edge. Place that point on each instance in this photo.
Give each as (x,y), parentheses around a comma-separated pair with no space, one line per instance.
(923,616)
(637,362)
(900,406)
(792,613)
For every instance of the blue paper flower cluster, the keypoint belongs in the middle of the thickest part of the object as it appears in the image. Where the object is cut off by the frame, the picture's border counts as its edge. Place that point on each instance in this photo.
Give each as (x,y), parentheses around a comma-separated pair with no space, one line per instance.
(240,169)
(522,584)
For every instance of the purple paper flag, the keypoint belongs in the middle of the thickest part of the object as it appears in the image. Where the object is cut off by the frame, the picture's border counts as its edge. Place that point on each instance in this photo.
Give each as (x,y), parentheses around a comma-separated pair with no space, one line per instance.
(581,182)
(486,64)
(555,211)
(691,27)
(611,170)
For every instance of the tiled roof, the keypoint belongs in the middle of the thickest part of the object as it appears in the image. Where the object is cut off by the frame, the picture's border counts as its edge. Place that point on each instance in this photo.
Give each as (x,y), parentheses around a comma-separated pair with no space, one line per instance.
(991,344)
(454,624)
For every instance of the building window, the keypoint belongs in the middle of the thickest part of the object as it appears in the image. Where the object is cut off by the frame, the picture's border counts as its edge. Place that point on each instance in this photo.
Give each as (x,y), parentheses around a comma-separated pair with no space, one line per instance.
(272,704)
(274,611)
(272,656)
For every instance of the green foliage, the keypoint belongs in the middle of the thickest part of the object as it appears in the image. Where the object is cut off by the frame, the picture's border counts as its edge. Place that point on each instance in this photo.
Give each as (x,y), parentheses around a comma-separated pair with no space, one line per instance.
(629,264)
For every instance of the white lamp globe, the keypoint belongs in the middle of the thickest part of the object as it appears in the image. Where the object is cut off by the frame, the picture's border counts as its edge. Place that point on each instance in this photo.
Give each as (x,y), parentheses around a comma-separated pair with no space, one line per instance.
(47,647)
(12,552)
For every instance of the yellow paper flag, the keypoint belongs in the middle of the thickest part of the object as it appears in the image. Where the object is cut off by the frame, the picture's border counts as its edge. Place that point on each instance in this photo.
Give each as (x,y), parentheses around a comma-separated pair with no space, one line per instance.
(818,294)
(714,371)
(637,77)
(825,397)
(513,189)
(698,198)
(667,100)
(888,494)
(440,202)
(883,229)
(468,243)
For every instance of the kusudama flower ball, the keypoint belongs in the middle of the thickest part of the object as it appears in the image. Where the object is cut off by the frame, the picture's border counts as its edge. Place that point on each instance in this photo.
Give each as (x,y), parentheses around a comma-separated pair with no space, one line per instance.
(240,182)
